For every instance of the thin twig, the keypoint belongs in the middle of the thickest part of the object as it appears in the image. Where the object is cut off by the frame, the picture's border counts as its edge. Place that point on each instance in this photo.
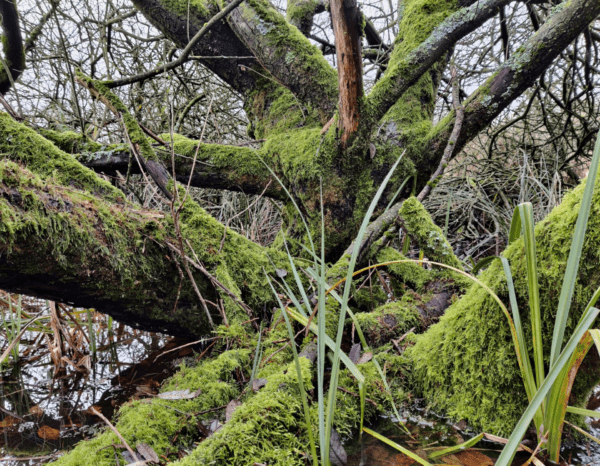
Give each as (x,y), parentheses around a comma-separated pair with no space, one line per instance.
(114,429)
(460,115)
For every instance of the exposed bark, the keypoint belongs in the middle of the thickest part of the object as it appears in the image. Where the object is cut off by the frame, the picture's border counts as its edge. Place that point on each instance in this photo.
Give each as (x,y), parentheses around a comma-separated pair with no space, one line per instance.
(346,28)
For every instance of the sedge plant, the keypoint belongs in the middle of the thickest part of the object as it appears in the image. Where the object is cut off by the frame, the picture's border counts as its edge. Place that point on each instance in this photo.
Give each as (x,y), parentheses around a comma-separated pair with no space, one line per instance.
(548,393)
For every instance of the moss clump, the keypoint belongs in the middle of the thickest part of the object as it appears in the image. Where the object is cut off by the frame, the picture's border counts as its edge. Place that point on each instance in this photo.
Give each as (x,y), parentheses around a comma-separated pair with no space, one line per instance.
(241,161)
(430,238)
(409,273)
(306,73)
(466,364)
(388,321)
(24,145)
(267,428)
(157,421)
(70,141)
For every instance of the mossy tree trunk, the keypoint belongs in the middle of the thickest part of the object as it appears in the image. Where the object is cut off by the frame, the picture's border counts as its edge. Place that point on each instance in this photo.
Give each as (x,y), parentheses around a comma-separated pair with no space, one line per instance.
(69,236)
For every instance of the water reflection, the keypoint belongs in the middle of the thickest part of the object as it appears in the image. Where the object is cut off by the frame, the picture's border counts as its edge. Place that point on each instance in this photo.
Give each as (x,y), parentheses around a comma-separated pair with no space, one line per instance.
(66,362)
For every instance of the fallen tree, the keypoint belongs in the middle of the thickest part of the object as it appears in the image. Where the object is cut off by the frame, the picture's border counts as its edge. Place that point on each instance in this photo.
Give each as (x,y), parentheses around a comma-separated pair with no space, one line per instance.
(70,236)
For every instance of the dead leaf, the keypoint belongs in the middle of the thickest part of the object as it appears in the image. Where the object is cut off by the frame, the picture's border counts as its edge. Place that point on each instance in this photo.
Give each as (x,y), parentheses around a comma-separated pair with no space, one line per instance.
(354,353)
(36,411)
(131,461)
(231,407)
(214,426)
(48,433)
(257,384)
(365,358)
(281,273)
(337,454)
(147,452)
(179,394)
(372,150)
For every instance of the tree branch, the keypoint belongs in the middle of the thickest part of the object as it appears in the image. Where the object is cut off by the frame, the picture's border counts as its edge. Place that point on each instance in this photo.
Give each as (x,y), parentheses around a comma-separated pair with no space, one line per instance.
(12,43)
(180,23)
(406,67)
(516,75)
(68,236)
(287,55)
(228,170)
(184,54)
(300,13)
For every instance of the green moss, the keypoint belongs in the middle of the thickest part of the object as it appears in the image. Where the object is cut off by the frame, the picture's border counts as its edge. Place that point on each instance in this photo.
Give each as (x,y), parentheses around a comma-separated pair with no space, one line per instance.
(24,145)
(267,428)
(300,12)
(408,273)
(418,20)
(307,73)
(194,10)
(388,321)
(429,237)
(157,421)
(70,141)
(466,364)
(237,162)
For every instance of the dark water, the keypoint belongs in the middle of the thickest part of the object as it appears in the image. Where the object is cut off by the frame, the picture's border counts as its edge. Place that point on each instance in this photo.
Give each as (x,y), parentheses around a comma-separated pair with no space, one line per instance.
(45,409)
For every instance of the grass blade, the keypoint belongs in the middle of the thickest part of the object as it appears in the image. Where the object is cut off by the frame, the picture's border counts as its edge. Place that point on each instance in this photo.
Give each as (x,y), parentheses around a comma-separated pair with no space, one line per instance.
(307,418)
(348,285)
(400,448)
(566,293)
(321,286)
(508,453)
(457,448)
(256,357)
(526,372)
(354,370)
(526,214)
(557,399)
(583,412)
(515,227)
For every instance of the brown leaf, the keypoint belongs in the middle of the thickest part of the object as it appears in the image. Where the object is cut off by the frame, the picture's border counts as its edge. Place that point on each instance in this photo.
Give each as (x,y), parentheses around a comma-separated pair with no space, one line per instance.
(48,433)
(365,358)
(147,452)
(257,384)
(231,407)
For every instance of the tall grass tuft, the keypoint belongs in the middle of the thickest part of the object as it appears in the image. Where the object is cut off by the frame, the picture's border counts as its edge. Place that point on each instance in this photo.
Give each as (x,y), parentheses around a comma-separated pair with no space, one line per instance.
(548,402)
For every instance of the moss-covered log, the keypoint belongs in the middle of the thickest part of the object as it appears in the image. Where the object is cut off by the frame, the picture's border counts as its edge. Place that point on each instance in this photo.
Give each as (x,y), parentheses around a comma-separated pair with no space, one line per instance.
(67,235)
(466,365)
